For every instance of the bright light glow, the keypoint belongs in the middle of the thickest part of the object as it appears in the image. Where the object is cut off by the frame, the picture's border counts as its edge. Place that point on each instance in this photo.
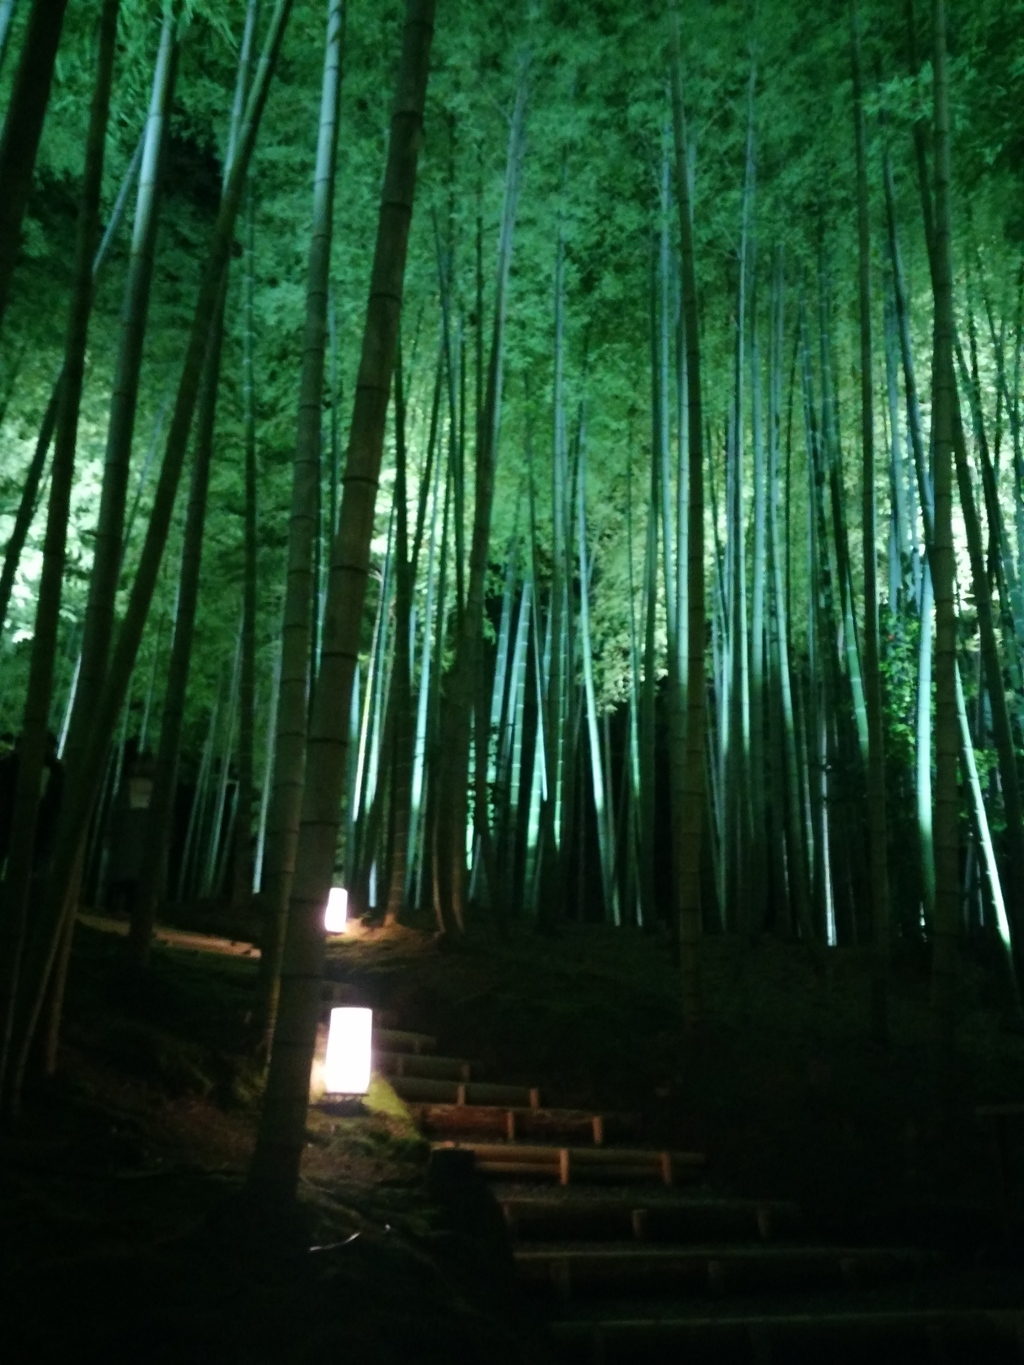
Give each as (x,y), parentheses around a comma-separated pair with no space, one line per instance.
(336,915)
(347,1065)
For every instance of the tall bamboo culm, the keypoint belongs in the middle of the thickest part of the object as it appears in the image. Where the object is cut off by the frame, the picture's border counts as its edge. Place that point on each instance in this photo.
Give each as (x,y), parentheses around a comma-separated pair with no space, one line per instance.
(296,633)
(689,819)
(876,786)
(273,1174)
(947,871)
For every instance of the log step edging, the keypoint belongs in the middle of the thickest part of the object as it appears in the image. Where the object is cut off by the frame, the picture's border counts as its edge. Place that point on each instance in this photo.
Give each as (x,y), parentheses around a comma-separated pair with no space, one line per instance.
(714,1267)
(516,1122)
(403,1040)
(426,1066)
(762,1330)
(427,1090)
(621,1163)
(633,1216)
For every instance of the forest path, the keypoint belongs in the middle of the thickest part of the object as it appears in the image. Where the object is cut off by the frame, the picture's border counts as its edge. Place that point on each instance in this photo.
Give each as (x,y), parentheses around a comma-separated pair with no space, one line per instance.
(176,938)
(628,1267)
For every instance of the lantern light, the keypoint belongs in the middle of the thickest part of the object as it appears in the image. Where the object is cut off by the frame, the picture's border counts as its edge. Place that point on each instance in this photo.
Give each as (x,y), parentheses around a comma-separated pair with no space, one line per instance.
(336,915)
(347,1064)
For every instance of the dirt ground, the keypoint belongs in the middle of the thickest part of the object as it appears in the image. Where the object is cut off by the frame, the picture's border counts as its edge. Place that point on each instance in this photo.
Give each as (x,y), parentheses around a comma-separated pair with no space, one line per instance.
(122,1231)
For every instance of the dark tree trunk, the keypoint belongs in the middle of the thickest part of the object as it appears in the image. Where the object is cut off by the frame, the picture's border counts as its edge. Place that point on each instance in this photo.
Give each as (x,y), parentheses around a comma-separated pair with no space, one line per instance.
(23,127)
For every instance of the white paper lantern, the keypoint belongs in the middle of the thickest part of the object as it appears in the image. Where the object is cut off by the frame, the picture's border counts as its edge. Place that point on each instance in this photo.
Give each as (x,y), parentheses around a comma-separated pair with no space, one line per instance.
(347,1064)
(336,915)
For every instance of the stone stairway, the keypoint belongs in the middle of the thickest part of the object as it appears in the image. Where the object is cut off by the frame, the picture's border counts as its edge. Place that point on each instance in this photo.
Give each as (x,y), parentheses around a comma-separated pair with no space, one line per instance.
(630,1266)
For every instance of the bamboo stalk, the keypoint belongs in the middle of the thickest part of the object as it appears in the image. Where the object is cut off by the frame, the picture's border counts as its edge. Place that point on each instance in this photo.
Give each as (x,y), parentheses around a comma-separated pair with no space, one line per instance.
(296,685)
(876,784)
(282,1134)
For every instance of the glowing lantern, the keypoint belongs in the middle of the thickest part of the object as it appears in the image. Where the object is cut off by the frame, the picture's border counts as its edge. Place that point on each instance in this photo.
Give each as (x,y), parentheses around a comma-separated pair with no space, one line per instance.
(336,915)
(347,1064)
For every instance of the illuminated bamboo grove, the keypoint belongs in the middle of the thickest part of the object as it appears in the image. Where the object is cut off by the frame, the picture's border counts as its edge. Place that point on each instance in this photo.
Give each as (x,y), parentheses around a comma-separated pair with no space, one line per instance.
(693,558)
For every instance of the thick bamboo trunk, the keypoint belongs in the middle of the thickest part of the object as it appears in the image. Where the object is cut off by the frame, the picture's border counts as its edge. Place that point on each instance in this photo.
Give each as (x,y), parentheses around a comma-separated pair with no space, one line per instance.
(23,126)
(947,870)
(762,880)
(600,776)
(551,905)
(296,633)
(647,745)
(274,1171)
(824,666)
(796,848)
(688,819)
(401,682)
(876,789)
(243,887)
(421,739)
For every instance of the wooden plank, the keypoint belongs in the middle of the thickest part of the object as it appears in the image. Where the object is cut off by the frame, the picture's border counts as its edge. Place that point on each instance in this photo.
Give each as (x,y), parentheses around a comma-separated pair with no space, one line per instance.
(658,1160)
(425,1089)
(510,1166)
(487,1092)
(586,1201)
(554,1166)
(538,1153)
(402,1040)
(754,1253)
(428,1065)
(494,1118)
(431,1091)
(587,1214)
(1007,1322)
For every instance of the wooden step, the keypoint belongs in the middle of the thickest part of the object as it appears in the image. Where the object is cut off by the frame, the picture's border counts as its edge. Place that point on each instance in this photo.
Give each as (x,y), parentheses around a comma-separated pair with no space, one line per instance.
(514,1123)
(401,1040)
(582,1214)
(565,1164)
(871,1336)
(650,1269)
(426,1090)
(419,1064)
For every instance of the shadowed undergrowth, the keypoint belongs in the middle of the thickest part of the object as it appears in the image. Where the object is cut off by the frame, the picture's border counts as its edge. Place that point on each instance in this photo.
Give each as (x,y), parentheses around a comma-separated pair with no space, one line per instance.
(124,1178)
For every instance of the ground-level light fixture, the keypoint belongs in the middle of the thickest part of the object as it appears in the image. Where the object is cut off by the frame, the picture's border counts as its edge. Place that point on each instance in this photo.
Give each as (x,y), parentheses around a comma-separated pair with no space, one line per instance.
(347,1064)
(336,914)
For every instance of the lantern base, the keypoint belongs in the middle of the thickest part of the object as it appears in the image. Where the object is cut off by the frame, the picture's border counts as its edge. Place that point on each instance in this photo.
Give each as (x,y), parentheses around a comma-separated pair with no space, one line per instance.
(343,1106)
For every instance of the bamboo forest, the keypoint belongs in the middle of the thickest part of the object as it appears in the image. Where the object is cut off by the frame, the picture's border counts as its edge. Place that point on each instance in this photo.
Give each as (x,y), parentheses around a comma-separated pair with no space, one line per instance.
(552,476)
